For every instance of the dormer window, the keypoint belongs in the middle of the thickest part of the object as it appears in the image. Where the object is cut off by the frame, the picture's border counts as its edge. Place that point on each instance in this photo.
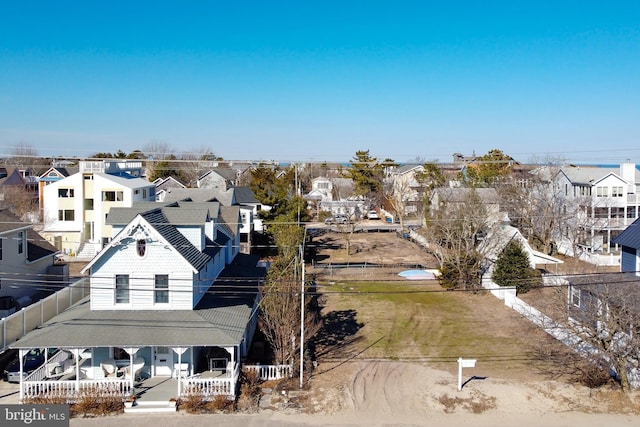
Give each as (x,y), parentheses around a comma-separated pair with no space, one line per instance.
(141,246)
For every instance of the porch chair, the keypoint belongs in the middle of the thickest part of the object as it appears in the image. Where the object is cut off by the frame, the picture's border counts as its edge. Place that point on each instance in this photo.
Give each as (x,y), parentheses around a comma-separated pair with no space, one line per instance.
(138,363)
(110,369)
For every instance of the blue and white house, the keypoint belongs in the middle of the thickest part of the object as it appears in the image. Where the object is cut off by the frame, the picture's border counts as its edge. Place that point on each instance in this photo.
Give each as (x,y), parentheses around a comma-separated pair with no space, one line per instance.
(170,298)
(629,242)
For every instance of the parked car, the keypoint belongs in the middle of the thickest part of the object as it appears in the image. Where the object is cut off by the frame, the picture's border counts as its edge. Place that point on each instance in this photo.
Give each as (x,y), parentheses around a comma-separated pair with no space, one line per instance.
(32,361)
(338,219)
(372,214)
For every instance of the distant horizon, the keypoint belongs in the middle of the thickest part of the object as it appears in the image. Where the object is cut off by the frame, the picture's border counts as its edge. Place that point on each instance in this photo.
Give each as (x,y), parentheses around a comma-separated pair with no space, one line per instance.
(317,81)
(288,163)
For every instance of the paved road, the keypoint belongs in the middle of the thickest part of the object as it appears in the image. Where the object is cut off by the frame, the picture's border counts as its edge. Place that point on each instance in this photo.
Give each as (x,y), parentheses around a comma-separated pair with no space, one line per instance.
(273,419)
(9,393)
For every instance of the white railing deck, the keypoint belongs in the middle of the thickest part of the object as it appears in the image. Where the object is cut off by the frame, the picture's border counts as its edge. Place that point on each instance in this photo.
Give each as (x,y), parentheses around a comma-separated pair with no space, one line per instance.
(270,372)
(37,385)
(67,388)
(41,373)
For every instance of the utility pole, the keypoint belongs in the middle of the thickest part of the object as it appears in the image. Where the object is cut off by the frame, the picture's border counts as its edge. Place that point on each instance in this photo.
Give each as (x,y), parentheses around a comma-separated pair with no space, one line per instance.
(302,320)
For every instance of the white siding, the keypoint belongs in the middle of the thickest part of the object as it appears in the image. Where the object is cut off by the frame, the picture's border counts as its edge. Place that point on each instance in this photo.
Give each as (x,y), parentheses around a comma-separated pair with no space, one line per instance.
(194,235)
(52,204)
(141,271)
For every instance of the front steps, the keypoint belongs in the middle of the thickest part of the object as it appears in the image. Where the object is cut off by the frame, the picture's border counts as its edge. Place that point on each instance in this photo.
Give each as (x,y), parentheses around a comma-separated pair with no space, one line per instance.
(145,407)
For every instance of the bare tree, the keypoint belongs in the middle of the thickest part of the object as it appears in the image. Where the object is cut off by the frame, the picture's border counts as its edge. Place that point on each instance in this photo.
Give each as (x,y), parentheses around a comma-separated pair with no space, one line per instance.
(156,151)
(21,201)
(194,163)
(601,316)
(25,155)
(398,192)
(455,222)
(536,207)
(280,313)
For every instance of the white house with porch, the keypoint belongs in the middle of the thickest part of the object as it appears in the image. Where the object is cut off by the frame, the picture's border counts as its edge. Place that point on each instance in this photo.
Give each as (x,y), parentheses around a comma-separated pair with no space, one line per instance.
(170,299)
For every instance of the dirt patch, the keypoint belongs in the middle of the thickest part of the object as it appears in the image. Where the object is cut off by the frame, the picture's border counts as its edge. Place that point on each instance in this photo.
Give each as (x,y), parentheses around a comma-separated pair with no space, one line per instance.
(374,248)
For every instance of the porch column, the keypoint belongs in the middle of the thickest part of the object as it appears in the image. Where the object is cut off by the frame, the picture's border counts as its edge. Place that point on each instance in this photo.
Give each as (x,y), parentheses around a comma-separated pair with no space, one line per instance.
(21,354)
(76,354)
(131,351)
(180,350)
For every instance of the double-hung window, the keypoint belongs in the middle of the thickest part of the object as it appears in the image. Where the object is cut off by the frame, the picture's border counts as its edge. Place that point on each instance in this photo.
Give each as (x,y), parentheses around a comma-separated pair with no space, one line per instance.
(161,289)
(122,289)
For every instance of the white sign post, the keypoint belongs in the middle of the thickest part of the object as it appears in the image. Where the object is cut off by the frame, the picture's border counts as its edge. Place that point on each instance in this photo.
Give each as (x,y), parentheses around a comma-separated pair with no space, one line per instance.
(464,363)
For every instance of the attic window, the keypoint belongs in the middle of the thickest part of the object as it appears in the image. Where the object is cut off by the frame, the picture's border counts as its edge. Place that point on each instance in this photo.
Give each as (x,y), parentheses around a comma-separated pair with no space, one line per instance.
(141,246)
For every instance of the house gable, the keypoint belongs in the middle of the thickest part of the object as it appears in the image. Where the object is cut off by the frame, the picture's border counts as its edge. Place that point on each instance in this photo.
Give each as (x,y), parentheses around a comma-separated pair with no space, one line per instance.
(147,248)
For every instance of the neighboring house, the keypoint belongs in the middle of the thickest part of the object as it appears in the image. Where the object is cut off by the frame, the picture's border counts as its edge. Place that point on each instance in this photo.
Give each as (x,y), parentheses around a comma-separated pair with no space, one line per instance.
(76,207)
(604,309)
(449,196)
(26,261)
(165,185)
(171,302)
(335,195)
(19,190)
(242,197)
(219,178)
(629,241)
(607,200)
(499,234)
(405,185)
(51,175)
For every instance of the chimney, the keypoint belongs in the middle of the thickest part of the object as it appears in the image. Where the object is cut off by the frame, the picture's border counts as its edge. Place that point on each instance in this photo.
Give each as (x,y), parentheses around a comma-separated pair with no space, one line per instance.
(628,173)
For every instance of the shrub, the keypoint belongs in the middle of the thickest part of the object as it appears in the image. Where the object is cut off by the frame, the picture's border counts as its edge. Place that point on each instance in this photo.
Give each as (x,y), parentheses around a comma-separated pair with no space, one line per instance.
(193,404)
(250,390)
(92,405)
(220,403)
(594,375)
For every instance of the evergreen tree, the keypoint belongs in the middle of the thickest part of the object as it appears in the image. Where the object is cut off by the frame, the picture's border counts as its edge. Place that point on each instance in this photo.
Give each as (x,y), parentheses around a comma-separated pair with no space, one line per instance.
(487,170)
(513,269)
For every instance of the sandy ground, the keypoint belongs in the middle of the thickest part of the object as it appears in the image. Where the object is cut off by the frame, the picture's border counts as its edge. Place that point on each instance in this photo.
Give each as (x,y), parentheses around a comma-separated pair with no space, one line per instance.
(387,393)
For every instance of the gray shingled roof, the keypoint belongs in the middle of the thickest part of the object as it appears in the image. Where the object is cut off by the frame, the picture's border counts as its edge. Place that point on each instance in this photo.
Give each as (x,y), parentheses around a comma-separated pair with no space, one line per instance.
(193,194)
(191,215)
(244,195)
(630,237)
(38,247)
(461,194)
(405,168)
(229,218)
(123,216)
(587,174)
(176,239)
(10,222)
(80,327)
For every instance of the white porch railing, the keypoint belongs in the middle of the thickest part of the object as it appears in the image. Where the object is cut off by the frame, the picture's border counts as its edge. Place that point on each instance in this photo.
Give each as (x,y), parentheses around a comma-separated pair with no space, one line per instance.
(201,385)
(208,386)
(67,389)
(41,373)
(270,372)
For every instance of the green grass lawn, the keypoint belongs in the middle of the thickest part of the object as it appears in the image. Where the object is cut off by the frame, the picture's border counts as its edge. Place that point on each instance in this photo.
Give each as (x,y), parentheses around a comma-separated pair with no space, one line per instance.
(421,321)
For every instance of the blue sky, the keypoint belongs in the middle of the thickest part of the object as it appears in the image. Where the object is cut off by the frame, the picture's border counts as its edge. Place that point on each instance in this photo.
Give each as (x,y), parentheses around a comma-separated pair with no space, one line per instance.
(319,80)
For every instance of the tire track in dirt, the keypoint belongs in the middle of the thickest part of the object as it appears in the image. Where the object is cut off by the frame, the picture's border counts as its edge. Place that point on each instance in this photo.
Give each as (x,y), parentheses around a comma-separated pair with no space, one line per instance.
(388,388)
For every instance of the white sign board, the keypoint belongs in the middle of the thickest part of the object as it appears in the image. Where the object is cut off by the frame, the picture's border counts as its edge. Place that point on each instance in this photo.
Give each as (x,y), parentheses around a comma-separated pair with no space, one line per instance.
(468,363)
(464,363)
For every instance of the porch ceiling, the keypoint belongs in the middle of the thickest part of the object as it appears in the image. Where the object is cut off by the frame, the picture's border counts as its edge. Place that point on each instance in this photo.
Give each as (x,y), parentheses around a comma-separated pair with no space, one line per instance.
(212,324)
